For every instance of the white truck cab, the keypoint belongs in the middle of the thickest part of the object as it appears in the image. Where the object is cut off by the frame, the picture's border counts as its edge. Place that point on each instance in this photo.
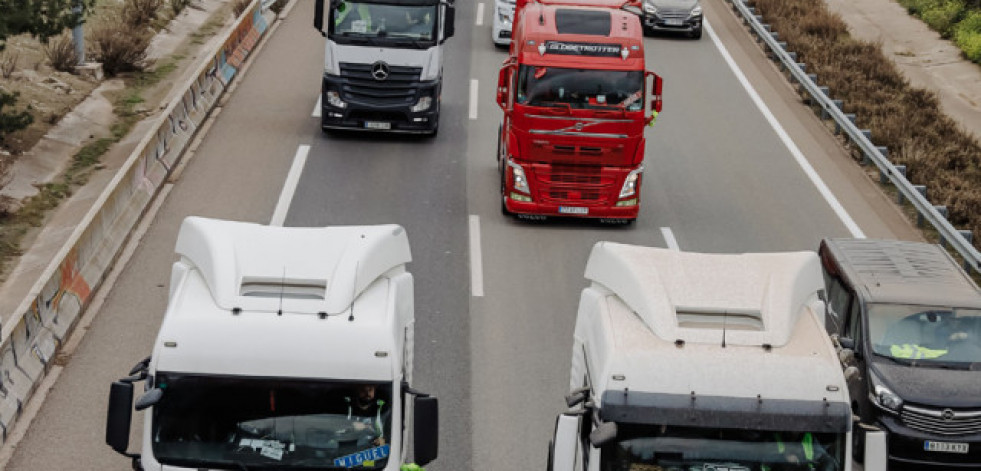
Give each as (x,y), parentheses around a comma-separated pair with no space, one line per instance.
(383,63)
(698,362)
(281,348)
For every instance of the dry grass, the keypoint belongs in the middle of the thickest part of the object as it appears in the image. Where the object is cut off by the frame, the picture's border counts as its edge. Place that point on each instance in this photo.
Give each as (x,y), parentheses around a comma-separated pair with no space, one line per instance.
(141,13)
(239,6)
(8,63)
(60,52)
(907,120)
(118,45)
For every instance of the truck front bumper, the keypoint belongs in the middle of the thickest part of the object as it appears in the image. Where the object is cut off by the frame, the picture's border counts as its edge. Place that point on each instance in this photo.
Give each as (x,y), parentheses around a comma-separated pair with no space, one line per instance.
(379,116)
(521,208)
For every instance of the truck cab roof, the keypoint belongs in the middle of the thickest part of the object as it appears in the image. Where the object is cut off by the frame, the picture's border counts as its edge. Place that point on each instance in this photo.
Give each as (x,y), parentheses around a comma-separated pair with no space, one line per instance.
(569,35)
(728,330)
(257,300)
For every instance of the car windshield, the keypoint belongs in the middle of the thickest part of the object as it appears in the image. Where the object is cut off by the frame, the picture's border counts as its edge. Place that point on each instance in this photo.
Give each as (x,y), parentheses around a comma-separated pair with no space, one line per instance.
(926,334)
(236,423)
(581,88)
(669,448)
(372,20)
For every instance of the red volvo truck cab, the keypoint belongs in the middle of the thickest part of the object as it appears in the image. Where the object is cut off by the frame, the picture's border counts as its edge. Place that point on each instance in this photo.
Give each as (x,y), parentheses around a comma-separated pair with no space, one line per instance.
(576,98)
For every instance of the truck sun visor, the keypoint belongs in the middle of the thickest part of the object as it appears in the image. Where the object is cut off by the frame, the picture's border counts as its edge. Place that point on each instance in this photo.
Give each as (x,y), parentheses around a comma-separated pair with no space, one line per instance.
(569,21)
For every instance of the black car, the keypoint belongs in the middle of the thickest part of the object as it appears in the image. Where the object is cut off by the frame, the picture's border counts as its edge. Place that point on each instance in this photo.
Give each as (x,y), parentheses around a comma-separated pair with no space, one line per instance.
(907,322)
(682,16)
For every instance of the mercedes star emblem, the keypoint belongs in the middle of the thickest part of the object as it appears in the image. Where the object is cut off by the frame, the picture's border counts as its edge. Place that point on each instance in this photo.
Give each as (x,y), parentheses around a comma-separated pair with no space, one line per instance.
(379,70)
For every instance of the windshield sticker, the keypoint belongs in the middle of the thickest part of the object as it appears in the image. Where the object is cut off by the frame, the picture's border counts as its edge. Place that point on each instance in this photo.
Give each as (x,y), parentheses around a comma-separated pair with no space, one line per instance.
(272,453)
(359,26)
(359,458)
(631,99)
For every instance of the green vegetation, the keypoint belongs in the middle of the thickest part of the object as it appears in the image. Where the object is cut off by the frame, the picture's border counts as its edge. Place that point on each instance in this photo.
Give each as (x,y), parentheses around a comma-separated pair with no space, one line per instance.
(957,20)
(907,120)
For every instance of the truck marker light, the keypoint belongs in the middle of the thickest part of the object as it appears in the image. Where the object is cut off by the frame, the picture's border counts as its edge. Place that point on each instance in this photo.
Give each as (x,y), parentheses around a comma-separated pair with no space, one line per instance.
(381,354)
(520,197)
(170,344)
(619,377)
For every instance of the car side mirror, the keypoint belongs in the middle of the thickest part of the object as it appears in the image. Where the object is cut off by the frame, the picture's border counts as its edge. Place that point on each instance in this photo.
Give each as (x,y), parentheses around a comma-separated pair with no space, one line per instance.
(449,27)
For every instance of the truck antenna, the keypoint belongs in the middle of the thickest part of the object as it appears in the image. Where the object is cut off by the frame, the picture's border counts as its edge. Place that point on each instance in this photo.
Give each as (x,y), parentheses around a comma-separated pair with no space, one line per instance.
(725,317)
(282,287)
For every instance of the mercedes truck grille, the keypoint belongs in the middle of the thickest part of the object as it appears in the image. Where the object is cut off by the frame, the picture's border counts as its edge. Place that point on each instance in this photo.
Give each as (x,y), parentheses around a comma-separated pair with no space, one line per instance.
(942,421)
(397,88)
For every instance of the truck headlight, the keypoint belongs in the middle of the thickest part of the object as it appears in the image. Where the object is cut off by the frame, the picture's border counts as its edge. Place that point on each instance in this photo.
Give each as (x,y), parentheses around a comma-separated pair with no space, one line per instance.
(883,396)
(649,8)
(334,99)
(630,183)
(518,176)
(422,105)
(504,14)
(697,11)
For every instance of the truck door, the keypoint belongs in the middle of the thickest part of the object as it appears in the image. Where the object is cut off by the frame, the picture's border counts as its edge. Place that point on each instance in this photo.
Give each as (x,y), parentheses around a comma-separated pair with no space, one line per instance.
(653,84)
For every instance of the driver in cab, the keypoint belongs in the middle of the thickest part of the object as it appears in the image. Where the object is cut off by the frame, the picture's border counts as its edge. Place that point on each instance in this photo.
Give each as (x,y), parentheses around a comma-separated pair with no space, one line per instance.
(368,411)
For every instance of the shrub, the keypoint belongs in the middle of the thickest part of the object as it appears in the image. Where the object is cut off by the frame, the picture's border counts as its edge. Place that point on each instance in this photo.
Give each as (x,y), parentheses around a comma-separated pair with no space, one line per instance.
(278,5)
(942,16)
(970,43)
(177,6)
(8,62)
(239,6)
(141,13)
(119,46)
(60,52)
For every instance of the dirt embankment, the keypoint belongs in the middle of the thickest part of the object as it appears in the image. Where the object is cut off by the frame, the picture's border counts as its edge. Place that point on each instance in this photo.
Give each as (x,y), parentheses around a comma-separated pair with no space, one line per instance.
(907,120)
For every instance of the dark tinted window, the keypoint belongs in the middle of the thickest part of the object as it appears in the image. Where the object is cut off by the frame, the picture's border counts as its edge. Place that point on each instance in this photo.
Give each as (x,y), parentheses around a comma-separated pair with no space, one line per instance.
(596,23)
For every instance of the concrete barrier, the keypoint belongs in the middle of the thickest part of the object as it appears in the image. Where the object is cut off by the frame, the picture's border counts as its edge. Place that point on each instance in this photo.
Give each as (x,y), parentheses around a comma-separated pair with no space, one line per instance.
(30,340)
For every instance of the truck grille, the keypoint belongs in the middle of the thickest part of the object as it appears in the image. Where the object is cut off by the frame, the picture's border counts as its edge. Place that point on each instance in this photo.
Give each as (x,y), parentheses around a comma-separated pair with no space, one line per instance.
(573,184)
(398,89)
(930,420)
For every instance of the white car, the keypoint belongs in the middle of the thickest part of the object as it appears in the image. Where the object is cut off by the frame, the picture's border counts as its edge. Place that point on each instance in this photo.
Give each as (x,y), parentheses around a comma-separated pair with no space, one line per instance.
(503,17)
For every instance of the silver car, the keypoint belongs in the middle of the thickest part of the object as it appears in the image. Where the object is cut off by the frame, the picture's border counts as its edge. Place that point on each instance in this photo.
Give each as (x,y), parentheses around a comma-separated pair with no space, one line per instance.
(683,16)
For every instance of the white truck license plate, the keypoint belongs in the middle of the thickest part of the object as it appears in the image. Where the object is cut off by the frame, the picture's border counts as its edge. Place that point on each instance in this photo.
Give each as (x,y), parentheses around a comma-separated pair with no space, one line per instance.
(573,210)
(673,22)
(945,447)
(377,125)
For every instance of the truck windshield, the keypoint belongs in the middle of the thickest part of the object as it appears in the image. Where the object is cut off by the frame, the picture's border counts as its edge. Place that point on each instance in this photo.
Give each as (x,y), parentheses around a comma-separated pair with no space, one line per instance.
(669,448)
(580,88)
(245,423)
(360,20)
(928,335)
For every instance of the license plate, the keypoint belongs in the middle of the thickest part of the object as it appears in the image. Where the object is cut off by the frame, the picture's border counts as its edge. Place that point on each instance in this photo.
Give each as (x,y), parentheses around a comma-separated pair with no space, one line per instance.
(674,22)
(573,210)
(945,447)
(377,125)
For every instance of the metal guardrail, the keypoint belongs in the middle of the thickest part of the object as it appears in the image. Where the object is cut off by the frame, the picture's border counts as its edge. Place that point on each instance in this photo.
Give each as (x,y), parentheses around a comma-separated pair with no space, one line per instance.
(843,122)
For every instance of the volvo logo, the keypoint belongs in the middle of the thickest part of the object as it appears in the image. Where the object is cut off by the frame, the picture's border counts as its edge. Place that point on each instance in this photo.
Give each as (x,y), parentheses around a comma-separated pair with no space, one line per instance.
(947,415)
(379,70)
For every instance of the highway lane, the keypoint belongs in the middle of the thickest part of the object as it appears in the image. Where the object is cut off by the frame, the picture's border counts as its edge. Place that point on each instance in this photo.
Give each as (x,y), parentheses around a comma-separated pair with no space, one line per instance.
(719,178)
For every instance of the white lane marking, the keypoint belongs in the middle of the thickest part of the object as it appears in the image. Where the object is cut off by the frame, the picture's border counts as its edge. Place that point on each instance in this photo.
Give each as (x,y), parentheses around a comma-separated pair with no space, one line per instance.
(473,99)
(669,238)
(289,187)
(480,14)
(316,109)
(476,262)
(798,155)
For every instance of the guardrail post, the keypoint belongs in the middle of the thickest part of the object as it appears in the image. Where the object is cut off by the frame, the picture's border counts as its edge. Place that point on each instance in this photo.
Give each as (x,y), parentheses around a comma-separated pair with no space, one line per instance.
(850,116)
(838,103)
(919,216)
(882,150)
(900,169)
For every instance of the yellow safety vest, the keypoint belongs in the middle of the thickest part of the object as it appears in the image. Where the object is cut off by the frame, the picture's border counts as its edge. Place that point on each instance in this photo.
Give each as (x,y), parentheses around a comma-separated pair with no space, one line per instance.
(915,352)
(343,10)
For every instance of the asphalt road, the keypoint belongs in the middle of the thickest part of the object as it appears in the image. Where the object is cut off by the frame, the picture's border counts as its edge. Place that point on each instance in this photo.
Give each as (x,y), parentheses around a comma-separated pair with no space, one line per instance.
(493,344)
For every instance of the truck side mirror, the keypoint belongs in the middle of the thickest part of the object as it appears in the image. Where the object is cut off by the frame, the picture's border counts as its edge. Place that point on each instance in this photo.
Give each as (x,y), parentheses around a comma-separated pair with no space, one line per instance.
(847,343)
(149,399)
(119,416)
(503,79)
(576,396)
(448,23)
(875,450)
(850,374)
(318,16)
(656,92)
(426,430)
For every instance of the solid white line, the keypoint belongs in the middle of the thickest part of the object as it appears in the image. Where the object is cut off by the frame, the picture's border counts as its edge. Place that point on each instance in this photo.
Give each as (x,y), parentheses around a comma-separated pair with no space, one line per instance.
(669,238)
(316,109)
(473,98)
(798,155)
(480,14)
(289,187)
(476,263)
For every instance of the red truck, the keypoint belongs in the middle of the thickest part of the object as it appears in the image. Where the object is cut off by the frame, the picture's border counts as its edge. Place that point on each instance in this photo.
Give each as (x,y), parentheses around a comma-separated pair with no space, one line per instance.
(575,92)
